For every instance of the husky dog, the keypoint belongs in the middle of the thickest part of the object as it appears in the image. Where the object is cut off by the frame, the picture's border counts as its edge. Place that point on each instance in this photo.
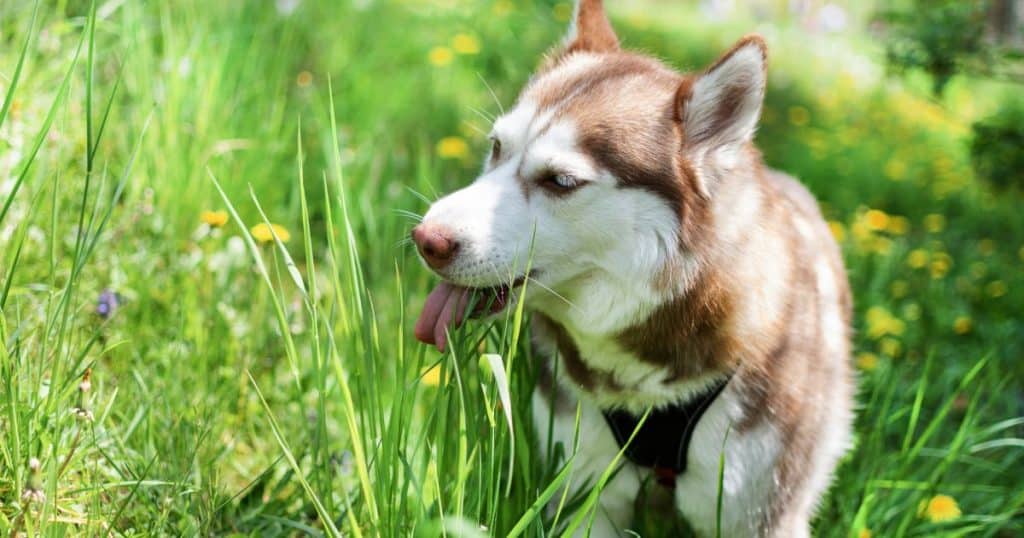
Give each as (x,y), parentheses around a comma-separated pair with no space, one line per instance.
(670,271)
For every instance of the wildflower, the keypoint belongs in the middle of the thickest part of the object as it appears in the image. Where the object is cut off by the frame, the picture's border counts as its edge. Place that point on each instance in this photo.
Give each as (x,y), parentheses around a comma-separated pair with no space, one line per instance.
(501,8)
(563,11)
(867,361)
(899,288)
(452,147)
(440,56)
(940,265)
(466,44)
(876,219)
(80,410)
(432,376)
(996,288)
(898,225)
(986,247)
(891,347)
(265,234)
(799,116)
(214,219)
(304,79)
(837,229)
(881,323)
(962,325)
(895,169)
(107,303)
(33,490)
(917,258)
(940,508)
(935,223)
(864,533)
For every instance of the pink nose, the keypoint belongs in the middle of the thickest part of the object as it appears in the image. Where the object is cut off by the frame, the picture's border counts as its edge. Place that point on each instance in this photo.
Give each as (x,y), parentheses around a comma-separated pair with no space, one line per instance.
(436,244)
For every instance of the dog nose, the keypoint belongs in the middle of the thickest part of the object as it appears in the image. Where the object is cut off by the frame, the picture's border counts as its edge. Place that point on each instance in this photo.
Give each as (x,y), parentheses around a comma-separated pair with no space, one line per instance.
(436,244)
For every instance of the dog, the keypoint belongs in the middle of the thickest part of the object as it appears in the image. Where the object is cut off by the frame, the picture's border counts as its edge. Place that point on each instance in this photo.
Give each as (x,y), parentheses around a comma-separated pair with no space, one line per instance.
(682,293)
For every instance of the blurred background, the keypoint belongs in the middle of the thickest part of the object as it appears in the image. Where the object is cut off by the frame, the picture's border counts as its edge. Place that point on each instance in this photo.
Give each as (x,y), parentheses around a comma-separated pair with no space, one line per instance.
(181,360)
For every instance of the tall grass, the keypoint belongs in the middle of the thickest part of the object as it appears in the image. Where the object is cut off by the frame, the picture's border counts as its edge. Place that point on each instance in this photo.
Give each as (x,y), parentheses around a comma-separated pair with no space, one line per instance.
(273,388)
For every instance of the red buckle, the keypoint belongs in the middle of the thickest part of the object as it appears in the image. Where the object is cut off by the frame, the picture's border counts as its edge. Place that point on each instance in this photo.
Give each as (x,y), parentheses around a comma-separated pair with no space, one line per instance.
(665,476)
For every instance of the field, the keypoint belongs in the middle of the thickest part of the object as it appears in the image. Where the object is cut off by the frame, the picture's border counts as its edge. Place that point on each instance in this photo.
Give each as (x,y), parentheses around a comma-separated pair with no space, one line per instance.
(172,365)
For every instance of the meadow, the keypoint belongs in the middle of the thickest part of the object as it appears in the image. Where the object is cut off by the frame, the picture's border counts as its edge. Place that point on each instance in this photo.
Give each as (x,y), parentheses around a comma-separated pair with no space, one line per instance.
(206,295)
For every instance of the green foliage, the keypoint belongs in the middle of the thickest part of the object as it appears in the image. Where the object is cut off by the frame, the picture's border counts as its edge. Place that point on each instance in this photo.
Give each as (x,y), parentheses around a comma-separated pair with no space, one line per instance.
(938,36)
(998,146)
(264,389)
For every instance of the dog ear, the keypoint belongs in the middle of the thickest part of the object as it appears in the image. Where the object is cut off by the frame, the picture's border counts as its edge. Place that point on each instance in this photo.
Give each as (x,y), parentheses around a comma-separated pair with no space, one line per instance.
(590,30)
(719,109)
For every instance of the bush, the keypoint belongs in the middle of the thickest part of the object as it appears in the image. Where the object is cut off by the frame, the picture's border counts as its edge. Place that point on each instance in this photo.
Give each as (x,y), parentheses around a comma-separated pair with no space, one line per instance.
(997,151)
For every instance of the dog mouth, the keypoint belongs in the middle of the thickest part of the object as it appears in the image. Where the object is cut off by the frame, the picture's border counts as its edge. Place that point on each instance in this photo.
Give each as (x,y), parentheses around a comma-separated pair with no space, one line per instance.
(449,305)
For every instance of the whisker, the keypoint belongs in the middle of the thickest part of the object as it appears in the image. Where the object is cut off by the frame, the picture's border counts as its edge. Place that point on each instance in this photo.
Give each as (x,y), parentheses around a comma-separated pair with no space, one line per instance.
(489,89)
(477,129)
(420,195)
(409,214)
(489,118)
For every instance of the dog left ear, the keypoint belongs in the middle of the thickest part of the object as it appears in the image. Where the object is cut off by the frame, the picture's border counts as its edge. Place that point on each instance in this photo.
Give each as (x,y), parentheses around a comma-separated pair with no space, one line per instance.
(590,30)
(720,108)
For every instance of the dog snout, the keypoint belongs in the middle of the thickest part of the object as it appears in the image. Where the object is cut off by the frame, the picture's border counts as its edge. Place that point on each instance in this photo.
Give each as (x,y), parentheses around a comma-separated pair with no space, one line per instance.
(436,244)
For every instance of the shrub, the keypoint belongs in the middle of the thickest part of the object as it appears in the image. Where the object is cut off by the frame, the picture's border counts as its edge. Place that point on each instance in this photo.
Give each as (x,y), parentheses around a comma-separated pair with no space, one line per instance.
(998,147)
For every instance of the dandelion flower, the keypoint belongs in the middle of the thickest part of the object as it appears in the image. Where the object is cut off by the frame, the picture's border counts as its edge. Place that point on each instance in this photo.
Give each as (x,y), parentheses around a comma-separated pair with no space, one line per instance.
(799,116)
(431,377)
(452,147)
(940,266)
(440,56)
(837,229)
(880,322)
(935,223)
(265,234)
(940,508)
(304,79)
(466,44)
(864,533)
(898,225)
(867,361)
(214,219)
(891,347)
(876,219)
(899,288)
(917,258)
(996,288)
(962,325)
(895,169)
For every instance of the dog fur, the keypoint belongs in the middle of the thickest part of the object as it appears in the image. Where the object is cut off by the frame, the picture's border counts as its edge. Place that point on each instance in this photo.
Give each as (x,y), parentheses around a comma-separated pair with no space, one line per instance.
(666,257)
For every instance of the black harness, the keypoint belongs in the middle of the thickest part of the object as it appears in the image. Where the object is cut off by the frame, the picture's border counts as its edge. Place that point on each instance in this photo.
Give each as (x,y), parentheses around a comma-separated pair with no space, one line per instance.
(664,439)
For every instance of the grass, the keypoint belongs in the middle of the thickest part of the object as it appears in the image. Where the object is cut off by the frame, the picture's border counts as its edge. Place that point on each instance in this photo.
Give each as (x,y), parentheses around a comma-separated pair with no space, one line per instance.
(273,388)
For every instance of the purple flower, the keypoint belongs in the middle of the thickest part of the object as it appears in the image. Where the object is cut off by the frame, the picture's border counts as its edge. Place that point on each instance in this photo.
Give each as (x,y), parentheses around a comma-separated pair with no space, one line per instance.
(107,303)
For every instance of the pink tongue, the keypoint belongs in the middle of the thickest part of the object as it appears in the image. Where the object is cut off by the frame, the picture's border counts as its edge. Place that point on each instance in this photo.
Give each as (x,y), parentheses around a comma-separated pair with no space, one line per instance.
(443,310)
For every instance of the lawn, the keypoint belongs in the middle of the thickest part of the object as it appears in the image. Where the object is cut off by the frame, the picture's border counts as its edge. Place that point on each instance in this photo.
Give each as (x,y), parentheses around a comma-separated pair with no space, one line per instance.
(171,364)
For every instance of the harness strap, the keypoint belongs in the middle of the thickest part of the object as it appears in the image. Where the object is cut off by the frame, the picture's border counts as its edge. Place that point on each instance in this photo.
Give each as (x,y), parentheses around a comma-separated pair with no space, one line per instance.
(664,440)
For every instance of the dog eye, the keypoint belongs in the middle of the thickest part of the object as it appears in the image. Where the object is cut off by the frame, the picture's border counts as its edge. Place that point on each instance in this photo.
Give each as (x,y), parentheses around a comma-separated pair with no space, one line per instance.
(562,182)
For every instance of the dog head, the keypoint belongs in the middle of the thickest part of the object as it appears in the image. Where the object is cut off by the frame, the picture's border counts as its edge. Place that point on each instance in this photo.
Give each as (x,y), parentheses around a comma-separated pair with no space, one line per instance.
(601,173)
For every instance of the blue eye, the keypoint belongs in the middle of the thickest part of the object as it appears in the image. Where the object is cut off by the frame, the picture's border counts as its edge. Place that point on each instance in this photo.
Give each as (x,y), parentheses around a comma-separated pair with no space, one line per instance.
(563,181)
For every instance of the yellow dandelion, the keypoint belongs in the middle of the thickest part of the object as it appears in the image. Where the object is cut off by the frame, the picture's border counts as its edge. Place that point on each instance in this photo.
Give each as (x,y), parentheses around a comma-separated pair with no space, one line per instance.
(466,44)
(214,219)
(837,229)
(899,288)
(891,347)
(431,377)
(940,265)
(867,361)
(304,79)
(864,533)
(501,8)
(265,234)
(996,288)
(940,508)
(440,56)
(895,169)
(563,11)
(799,116)
(898,225)
(962,325)
(986,247)
(917,258)
(880,245)
(876,219)
(452,147)
(881,322)
(935,223)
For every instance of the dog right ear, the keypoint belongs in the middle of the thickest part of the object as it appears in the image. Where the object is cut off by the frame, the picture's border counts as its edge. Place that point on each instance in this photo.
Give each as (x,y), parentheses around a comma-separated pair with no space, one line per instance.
(589,29)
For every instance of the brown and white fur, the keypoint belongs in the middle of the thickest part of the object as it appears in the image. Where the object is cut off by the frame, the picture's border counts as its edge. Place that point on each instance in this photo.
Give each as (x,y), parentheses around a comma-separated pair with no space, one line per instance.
(665,257)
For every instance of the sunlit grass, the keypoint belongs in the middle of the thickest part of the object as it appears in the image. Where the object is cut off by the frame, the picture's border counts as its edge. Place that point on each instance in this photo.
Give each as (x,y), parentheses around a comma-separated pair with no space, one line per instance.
(248,338)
